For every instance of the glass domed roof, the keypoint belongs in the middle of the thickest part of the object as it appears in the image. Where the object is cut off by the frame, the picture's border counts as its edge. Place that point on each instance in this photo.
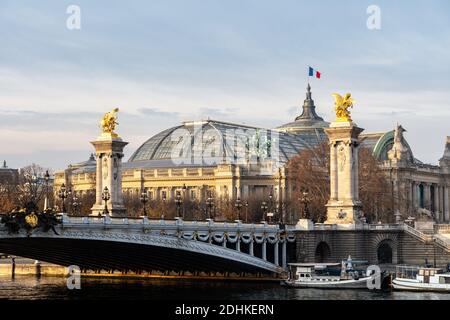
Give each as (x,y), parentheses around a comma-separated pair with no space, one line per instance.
(222,142)
(217,142)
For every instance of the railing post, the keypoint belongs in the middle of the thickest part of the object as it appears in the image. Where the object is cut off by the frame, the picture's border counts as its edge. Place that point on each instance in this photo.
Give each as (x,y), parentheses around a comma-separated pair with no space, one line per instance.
(264,250)
(251,247)
(277,261)
(283,254)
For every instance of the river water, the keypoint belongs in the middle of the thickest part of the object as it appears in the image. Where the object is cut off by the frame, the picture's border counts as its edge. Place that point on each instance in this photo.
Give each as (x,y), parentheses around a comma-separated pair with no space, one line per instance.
(31,288)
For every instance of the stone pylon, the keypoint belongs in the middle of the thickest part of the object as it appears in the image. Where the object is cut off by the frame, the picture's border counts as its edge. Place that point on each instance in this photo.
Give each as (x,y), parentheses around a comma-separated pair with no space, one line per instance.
(109,154)
(344,205)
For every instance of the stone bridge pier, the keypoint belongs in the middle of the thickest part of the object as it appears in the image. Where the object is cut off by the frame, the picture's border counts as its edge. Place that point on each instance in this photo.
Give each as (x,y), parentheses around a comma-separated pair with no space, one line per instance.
(376,244)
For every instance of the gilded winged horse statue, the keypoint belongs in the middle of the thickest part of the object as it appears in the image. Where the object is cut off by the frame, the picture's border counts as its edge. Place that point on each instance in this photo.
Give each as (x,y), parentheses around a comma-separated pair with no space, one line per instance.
(342,104)
(109,123)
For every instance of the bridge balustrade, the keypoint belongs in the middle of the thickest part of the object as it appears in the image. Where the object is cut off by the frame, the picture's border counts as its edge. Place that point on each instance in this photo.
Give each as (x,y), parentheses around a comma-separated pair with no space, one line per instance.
(204,231)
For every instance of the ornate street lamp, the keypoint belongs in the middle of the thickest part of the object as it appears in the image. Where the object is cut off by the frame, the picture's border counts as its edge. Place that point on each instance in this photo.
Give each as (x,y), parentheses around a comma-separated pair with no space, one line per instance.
(184,199)
(264,208)
(76,204)
(164,198)
(63,194)
(144,200)
(46,179)
(178,203)
(106,196)
(209,204)
(238,206)
(304,199)
(246,211)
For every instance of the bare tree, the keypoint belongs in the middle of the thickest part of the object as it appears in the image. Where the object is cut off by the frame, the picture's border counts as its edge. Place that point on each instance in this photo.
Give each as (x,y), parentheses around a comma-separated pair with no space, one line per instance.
(309,170)
(32,185)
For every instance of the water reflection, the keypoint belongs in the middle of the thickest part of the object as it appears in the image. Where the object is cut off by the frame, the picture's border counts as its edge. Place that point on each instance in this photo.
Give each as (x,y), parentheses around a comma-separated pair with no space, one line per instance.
(29,288)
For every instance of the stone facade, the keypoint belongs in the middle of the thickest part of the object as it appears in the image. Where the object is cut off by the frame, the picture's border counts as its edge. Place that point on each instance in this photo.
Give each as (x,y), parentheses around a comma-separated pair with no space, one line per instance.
(375,246)
(344,205)
(109,154)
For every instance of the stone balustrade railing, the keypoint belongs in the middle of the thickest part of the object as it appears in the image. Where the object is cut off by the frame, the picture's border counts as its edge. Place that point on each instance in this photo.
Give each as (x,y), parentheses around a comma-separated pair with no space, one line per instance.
(144,222)
(205,231)
(442,228)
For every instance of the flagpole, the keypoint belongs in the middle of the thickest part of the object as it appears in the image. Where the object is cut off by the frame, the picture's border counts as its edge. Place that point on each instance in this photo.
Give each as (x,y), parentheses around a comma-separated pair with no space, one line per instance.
(309,76)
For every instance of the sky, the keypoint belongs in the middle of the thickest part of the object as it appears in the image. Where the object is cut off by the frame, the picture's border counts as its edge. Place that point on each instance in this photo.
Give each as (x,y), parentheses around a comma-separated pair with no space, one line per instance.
(245,61)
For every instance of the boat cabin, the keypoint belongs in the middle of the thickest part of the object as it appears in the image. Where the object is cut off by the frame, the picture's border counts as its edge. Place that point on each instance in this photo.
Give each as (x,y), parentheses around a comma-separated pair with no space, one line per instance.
(423,274)
(313,271)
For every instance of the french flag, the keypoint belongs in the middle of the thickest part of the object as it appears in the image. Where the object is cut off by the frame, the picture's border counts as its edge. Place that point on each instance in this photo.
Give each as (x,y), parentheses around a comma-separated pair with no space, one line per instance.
(313,73)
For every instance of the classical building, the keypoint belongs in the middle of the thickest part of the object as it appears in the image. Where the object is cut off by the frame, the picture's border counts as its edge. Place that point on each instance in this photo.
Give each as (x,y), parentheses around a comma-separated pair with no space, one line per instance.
(8,175)
(231,160)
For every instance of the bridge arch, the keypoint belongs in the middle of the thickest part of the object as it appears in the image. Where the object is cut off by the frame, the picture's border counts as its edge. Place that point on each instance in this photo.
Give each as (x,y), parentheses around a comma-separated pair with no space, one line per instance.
(385,249)
(109,248)
(322,252)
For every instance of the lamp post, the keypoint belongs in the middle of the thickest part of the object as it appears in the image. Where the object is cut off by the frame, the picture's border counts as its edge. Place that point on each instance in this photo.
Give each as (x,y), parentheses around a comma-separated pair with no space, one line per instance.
(264,209)
(63,194)
(46,179)
(164,198)
(209,204)
(304,199)
(106,196)
(178,203)
(184,199)
(76,204)
(246,211)
(238,206)
(144,200)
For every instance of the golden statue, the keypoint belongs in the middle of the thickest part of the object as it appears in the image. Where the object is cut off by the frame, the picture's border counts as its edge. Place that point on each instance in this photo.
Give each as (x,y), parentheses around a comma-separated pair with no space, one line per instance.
(108,123)
(341,107)
(32,220)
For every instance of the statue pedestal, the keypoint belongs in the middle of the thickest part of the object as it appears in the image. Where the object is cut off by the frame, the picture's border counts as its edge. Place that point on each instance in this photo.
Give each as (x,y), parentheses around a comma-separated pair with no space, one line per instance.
(344,205)
(109,154)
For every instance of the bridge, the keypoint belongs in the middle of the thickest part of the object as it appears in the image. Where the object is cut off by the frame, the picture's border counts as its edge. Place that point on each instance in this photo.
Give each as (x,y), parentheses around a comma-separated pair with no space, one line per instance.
(105,243)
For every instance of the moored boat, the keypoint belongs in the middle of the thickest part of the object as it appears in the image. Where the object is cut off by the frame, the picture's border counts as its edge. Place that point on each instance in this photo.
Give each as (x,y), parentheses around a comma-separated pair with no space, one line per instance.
(328,275)
(412,278)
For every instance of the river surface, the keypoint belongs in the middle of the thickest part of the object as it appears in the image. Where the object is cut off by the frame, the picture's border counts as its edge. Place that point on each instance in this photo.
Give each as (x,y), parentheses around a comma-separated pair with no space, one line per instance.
(31,288)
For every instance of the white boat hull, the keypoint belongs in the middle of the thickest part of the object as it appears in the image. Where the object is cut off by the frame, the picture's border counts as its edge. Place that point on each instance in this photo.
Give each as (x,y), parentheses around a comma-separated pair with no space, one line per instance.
(414,285)
(340,284)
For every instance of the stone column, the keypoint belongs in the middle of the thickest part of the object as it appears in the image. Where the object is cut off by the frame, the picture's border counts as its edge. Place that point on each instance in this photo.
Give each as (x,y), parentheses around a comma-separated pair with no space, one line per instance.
(98,180)
(436,202)
(275,254)
(343,206)
(333,172)
(251,252)
(283,254)
(446,204)
(427,196)
(238,244)
(264,250)
(109,151)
